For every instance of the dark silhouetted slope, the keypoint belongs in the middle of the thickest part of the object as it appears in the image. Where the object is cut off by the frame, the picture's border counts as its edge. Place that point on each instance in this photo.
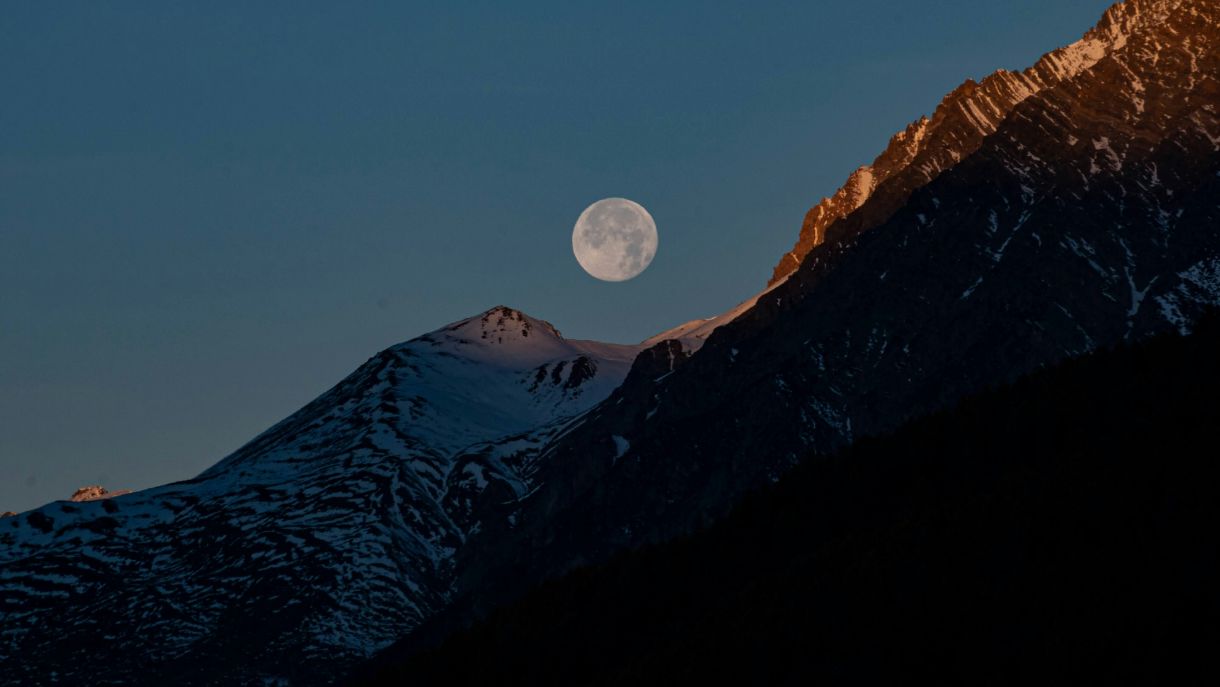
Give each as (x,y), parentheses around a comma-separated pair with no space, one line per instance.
(1058,531)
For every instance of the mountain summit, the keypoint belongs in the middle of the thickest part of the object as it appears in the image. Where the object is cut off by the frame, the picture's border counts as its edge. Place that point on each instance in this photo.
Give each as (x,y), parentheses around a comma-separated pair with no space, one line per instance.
(973,111)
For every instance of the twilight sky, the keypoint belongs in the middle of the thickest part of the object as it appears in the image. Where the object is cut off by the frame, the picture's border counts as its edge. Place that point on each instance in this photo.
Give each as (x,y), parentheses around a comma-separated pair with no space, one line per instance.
(212,212)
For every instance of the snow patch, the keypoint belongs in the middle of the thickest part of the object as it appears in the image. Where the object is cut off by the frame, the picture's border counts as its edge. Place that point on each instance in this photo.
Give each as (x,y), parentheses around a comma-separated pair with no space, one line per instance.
(621,446)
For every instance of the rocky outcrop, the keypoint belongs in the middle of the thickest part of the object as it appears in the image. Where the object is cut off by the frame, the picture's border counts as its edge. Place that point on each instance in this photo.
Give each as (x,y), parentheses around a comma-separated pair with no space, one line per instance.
(95,492)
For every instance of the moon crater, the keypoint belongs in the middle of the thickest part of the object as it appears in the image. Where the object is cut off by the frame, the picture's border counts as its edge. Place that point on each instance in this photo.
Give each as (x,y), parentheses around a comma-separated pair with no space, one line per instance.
(614,239)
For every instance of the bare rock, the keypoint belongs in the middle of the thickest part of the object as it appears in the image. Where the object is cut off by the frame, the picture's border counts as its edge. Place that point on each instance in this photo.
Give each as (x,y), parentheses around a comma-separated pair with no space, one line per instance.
(95,492)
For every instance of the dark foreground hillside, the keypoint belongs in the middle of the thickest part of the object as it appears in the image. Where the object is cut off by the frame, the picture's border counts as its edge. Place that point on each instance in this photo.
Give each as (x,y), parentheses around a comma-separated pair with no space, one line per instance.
(1064,530)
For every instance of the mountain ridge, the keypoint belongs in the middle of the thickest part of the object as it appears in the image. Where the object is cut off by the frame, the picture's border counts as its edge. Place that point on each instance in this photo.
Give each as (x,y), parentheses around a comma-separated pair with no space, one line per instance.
(334,527)
(1086,219)
(450,473)
(928,146)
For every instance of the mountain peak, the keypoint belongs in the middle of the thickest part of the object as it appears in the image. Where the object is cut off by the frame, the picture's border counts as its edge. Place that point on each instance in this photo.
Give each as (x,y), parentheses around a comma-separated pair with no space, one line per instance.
(508,338)
(503,326)
(1124,18)
(504,311)
(967,115)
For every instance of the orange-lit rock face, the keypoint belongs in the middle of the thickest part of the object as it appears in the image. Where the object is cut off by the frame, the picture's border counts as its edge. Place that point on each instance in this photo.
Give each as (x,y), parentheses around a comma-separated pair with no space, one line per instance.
(88,493)
(973,111)
(95,492)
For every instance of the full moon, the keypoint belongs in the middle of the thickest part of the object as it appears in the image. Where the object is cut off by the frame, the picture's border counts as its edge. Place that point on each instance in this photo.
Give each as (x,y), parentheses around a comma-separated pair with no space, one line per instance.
(614,239)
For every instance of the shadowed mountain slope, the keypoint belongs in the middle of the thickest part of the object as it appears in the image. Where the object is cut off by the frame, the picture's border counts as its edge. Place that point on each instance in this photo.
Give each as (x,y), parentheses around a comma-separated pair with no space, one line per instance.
(1057,531)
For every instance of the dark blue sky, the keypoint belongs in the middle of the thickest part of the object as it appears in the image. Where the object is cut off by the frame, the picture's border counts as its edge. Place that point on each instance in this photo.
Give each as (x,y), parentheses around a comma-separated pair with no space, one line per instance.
(211,212)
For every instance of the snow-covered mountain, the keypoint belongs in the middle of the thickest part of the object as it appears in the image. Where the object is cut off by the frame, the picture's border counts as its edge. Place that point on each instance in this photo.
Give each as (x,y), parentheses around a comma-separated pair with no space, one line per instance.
(324,538)
(1035,216)
(1083,215)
